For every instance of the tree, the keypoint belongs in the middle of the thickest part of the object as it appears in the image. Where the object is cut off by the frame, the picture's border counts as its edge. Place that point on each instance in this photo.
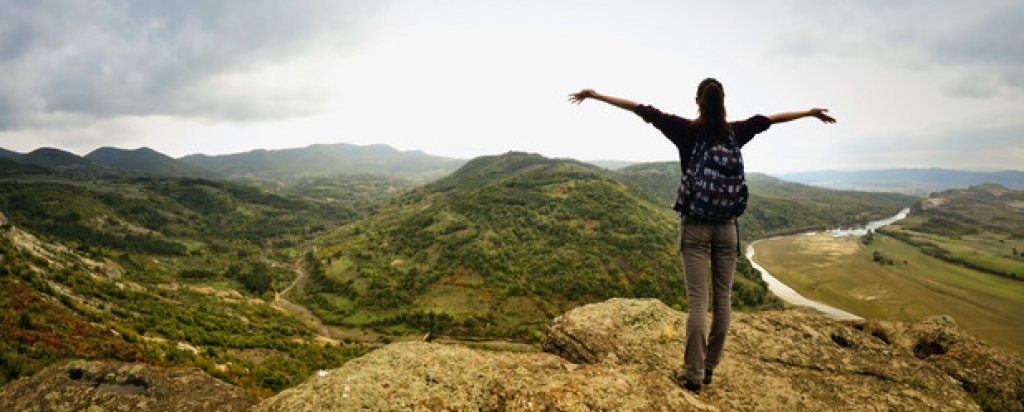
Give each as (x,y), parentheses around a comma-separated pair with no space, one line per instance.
(867,238)
(258,279)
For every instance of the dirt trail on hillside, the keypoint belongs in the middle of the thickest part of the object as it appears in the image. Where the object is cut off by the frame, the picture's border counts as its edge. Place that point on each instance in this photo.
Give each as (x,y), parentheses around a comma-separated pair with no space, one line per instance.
(302,312)
(334,335)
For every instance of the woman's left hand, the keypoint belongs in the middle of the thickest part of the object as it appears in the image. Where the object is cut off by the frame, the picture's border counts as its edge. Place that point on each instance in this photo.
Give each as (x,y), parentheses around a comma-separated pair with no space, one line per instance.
(820,114)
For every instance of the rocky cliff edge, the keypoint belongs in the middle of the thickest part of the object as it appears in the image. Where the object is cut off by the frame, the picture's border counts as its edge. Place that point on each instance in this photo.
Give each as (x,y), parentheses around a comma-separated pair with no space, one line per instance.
(618,354)
(613,355)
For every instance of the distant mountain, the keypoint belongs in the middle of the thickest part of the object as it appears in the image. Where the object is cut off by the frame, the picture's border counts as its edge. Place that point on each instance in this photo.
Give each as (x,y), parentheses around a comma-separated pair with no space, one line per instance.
(64,163)
(499,247)
(52,158)
(10,155)
(909,181)
(145,161)
(10,167)
(611,164)
(990,207)
(775,206)
(326,159)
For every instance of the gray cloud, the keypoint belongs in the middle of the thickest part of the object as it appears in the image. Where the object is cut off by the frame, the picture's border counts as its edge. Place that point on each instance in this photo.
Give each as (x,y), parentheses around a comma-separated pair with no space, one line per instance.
(980,149)
(975,87)
(984,41)
(111,58)
(996,39)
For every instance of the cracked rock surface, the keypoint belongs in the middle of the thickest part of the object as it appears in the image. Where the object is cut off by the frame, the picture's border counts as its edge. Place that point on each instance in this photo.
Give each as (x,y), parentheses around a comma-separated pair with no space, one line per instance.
(799,359)
(430,377)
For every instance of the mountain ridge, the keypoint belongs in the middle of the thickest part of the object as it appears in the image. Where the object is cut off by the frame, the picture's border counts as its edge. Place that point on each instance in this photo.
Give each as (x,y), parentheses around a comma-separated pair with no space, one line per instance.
(324,159)
(145,161)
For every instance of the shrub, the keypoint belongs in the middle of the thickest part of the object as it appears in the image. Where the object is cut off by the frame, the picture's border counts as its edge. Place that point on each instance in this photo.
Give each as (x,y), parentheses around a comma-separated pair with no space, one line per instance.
(258,279)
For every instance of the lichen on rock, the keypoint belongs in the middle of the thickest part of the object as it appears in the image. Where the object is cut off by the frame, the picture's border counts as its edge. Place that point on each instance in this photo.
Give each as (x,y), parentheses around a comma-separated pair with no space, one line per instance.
(618,355)
(800,359)
(428,376)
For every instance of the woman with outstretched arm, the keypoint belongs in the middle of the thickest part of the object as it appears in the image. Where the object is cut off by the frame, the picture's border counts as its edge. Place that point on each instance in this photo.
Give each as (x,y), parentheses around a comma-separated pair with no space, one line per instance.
(708,228)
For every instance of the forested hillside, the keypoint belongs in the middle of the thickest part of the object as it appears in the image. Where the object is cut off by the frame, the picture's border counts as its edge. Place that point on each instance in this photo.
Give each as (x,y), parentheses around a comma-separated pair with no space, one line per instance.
(499,247)
(168,271)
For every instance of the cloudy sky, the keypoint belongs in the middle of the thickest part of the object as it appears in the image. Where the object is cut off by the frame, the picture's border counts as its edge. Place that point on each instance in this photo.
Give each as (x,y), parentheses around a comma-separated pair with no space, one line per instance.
(913,83)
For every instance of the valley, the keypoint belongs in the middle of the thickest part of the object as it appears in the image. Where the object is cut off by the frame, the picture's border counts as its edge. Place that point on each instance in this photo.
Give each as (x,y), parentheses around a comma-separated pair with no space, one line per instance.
(260,280)
(956,254)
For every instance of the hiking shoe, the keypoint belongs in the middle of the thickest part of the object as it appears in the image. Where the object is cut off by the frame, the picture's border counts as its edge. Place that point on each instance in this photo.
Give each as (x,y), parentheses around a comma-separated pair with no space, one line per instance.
(707,377)
(692,387)
(679,379)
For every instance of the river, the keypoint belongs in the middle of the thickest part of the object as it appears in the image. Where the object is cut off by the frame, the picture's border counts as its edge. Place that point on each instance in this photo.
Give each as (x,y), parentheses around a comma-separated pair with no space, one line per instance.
(792,297)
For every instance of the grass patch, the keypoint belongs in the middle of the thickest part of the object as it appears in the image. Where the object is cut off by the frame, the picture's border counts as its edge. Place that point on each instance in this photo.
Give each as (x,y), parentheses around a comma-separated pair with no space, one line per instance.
(842,273)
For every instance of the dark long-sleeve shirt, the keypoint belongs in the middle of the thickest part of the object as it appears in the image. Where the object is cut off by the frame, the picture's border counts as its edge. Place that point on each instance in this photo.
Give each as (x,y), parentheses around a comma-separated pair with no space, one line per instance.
(683,132)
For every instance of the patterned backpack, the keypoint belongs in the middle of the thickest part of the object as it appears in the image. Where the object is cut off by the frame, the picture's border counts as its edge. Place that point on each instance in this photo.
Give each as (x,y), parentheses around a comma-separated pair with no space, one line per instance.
(713,185)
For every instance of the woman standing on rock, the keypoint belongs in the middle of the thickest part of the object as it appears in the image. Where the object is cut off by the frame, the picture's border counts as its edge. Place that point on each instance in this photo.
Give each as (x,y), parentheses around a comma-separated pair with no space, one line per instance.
(712,194)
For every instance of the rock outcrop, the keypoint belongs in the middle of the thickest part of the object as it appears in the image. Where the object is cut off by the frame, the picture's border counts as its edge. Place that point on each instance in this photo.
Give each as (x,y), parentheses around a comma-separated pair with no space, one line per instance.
(618,354)
(613,355)
(429,377)
(117,386)
(798,359)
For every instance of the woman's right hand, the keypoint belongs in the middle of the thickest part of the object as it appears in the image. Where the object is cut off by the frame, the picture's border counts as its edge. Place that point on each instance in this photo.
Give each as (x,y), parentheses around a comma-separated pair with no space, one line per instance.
(581,95)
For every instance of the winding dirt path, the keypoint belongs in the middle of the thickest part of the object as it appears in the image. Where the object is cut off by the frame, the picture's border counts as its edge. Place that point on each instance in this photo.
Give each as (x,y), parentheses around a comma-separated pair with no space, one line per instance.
(336,335)
(298,310)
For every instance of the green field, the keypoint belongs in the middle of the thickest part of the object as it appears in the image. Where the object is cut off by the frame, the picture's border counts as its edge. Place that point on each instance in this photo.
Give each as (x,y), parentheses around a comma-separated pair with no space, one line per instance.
(842,272)
(995,252)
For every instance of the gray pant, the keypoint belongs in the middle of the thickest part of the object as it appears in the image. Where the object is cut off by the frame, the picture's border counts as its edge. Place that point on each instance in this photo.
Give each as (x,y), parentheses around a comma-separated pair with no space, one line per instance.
(698,242)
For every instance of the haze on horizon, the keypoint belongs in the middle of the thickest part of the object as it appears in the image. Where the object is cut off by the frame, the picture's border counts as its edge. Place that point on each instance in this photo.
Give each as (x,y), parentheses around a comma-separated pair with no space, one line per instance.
(913,84)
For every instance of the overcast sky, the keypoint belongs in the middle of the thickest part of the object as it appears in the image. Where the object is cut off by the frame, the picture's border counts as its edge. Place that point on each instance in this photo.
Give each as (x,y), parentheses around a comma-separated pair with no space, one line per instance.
(912,83)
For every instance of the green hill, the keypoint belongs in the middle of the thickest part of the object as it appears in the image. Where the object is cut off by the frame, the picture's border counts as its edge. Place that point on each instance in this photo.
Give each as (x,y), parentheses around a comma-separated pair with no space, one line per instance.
(325,159)
(10,167)
(498,248)
(62,161)
(981,228)
(52,158)
(170,271)
(775,206)
(145,161)
(159,215)
(9,155)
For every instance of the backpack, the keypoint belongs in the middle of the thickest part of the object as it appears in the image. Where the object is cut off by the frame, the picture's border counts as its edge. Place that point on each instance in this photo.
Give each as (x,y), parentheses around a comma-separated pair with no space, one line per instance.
(713,186)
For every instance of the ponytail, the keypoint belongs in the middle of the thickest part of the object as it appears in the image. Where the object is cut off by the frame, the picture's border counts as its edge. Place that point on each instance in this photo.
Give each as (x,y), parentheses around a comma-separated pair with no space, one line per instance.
(711,102)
